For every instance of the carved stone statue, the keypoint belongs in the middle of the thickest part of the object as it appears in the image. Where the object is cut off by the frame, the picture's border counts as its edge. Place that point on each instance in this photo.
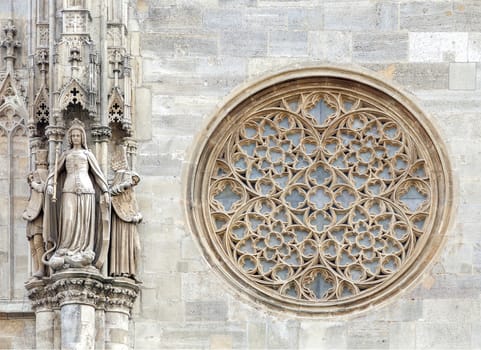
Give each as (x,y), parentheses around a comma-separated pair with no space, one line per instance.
(78,225)
(34,213)
(124,240)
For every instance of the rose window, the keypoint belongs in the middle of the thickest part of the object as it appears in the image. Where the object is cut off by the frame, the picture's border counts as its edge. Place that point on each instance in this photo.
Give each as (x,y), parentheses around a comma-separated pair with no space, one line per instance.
(320,194)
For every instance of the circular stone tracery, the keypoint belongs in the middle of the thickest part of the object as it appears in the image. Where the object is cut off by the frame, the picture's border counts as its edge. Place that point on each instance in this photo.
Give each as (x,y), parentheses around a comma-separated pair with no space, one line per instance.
(320,194)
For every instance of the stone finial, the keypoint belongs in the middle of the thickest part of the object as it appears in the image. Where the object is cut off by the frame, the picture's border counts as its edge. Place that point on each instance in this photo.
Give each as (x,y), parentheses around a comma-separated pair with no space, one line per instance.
(10,44)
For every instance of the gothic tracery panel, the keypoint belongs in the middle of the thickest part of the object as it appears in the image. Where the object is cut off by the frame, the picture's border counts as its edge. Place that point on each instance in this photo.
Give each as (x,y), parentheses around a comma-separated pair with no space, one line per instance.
(319,192)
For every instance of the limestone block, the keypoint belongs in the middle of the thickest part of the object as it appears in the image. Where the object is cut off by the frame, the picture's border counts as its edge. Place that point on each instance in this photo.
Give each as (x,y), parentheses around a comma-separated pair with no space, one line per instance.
(322,335)
(287,3)
(165,262)
(5,10)
(462,76)
(44,331)
(179,45)
(135,43)
(148,334)
(224,19)
(243,43)
(180,124)
(438,47)
(181,105)
(170,311)
(380,47)
(331,46)
(367,335)
(437,335)
(260,19)
(171,286)
(402,335)
(196,335)
(474,47)
(458,258)
(206,311)
(256,335)
(361,16)
(202,286)
(173,17)
(448,102)
(220,342)
(282,333)
(422,76)
(163,165)
(427,16)
(233,3)
(405,310)
(467,15)
(470,233)
(143,109)
(288,43)
(190,249)
(475,335)
(308,18)
(452,310)
(258,66)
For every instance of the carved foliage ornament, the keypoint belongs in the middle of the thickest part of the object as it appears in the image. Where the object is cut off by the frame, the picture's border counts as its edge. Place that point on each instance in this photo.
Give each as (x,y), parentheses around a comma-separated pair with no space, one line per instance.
(321,194)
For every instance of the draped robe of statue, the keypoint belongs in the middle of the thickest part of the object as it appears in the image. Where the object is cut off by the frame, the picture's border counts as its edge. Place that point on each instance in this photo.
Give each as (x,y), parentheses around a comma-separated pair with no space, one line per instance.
(124,241)
(78,224)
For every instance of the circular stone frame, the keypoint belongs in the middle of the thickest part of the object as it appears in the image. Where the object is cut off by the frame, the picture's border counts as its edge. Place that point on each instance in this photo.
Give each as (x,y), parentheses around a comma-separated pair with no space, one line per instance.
(199,168)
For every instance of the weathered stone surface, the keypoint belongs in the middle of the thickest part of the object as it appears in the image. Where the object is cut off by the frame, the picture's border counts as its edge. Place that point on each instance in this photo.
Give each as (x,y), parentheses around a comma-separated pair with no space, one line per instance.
(416,76)
(427,16)
(402,335)
(322,335)
(282,334)
(243,43)
(438,47)
(287,43)
(335,47)
(361,16)
(449,335)
(462,76)
(380,47)
(368,335)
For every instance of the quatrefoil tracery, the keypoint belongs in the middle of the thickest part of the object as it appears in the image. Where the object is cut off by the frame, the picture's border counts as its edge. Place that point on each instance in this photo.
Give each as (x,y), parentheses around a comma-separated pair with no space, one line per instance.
(319,196)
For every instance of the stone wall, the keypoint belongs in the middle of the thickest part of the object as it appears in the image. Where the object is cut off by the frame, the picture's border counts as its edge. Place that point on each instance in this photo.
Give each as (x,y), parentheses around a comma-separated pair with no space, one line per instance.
(194,53)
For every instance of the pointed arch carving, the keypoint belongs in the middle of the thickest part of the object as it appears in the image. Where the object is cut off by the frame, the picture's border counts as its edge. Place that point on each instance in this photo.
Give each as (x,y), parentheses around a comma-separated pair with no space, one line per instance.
(41,108)
(116,106)
(72,94)
(12,109)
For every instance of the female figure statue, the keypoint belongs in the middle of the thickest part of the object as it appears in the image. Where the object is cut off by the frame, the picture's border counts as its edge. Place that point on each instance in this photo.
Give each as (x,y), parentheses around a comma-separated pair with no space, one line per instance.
(82,219)
(124,241)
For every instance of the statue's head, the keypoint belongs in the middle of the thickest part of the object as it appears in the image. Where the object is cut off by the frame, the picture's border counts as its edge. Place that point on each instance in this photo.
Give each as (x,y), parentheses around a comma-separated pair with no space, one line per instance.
(77,128)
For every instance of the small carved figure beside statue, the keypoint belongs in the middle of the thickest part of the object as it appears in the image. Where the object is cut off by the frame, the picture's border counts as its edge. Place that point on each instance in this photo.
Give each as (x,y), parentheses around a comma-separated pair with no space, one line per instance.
(69,212)
(34,212)
(124,251)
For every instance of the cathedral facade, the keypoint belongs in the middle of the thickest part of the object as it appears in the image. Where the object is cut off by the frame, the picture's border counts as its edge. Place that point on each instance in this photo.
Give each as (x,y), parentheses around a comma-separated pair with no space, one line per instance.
(262,174)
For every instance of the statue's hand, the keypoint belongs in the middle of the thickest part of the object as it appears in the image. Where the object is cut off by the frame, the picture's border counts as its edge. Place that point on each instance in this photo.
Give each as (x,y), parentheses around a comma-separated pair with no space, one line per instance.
(106,197)
(50,190)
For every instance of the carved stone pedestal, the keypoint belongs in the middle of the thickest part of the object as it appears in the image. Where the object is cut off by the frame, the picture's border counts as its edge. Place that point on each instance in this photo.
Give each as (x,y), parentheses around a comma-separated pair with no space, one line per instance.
(81,309)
